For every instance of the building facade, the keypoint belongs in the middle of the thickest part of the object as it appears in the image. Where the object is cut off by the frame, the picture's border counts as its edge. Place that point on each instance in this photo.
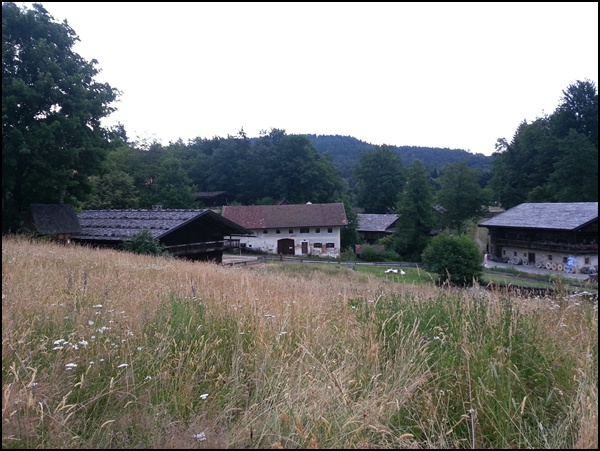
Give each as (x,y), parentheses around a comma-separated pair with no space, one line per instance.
(293,229)
(555,236)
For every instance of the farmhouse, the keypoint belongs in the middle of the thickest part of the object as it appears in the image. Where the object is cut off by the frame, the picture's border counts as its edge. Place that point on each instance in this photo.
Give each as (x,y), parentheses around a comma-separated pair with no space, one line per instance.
(191,234)
(373,227)
(557,236)
(59,221)
(292,229)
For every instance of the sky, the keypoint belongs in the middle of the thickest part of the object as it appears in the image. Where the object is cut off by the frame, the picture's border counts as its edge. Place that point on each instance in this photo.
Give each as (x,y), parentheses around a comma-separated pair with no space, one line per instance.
(455,75)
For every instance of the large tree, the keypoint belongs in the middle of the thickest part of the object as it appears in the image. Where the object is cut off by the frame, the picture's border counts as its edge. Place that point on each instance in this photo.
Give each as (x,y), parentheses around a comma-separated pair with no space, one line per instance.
(289,167)
(172,187)
(52,138)
(553,158)
(578,110)
(380,177)
(575,176)
(113,190)
(415,211)
(460,195)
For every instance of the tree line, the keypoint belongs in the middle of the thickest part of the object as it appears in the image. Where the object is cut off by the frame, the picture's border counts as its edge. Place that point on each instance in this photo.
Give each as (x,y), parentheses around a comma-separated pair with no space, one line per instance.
(54,149)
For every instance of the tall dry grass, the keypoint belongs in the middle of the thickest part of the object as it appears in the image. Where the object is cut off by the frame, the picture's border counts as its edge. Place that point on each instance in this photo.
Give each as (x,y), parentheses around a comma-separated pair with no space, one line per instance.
(105,349)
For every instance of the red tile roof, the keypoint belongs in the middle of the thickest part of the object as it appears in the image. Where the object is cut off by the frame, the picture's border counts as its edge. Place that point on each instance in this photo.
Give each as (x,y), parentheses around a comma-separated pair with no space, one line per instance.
(282,216)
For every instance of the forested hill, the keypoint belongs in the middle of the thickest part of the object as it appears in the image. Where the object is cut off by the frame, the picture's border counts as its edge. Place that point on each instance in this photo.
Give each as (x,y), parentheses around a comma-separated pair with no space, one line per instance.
(344,151)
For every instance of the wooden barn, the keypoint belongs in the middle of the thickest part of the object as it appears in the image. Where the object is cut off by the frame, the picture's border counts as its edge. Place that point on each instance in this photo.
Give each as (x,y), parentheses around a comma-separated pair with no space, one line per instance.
(373,227)
(59,221)
(192,234)
(557,236)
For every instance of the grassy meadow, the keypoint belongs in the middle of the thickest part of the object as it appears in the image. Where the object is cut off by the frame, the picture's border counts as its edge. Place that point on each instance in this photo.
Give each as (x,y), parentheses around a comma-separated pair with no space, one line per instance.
(106,349)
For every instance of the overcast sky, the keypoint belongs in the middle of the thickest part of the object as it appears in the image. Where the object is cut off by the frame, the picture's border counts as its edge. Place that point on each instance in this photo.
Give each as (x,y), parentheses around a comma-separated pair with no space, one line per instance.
(456,75)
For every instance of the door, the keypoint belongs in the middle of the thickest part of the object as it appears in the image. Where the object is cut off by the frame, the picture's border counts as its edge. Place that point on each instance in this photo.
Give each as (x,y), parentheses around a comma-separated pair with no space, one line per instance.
(304,247)
(285,246)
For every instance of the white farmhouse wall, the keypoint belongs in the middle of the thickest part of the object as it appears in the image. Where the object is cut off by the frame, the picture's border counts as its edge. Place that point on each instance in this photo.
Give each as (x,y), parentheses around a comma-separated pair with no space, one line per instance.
(543,257)
(266,241)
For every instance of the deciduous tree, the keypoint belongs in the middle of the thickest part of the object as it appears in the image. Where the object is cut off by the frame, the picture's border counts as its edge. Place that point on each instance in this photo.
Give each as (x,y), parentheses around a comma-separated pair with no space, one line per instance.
(380,176)
(52,106)
(460,195)
(415,211)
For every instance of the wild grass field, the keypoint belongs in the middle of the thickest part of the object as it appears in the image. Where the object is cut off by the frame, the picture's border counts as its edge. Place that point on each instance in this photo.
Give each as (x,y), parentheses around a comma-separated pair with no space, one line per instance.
(106,349)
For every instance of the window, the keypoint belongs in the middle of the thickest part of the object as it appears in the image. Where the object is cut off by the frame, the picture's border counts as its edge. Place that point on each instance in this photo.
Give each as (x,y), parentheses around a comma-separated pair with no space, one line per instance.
(277,231)
(515,254)
(266,231)
(564,259)
(329,230)
(330,245)
(503,252)
(318,245)
(317,230)
(587,260)
(304,230)
(291,231)
(549,257)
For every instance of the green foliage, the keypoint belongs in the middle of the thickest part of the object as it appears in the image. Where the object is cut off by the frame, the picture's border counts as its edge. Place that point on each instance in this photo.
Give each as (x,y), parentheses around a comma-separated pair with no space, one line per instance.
(454,258)
(349,235)
(380,177)
(554,158)
(377,253)
(52,138)
(415,211)
(579,163)
(144,243)
(173,188)
(288,167)
(345,151)
(460,195)
(113,190)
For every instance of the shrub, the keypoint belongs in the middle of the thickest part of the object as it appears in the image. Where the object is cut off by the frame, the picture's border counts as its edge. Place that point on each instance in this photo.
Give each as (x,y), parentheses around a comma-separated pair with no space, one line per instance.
(372,253)
(454,258)
(144,243)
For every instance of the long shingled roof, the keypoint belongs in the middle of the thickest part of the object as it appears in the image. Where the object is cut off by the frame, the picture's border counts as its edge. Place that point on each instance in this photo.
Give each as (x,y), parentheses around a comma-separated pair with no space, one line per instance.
(550,215)
(122,225)
(291,215)
(368,222)
(54,218)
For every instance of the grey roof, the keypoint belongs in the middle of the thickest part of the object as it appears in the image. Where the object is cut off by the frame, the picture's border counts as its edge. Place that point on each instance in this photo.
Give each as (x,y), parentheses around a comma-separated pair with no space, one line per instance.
(289,215)
(122,225)
(376,223)
(54,218)
(554,215)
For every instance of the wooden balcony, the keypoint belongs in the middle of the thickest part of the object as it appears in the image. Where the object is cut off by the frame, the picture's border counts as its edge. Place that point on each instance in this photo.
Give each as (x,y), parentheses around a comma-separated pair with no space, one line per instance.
(204,247)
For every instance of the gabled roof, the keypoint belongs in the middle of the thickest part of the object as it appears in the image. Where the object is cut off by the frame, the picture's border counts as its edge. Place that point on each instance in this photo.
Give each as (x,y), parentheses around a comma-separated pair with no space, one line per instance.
(552,215)
(122,225)
(54,218)
(291,215)
(376,222)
